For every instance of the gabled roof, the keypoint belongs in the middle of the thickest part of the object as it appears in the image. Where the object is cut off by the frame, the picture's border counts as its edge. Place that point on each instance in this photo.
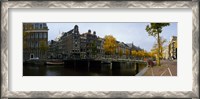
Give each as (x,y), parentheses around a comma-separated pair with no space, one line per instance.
(132,46)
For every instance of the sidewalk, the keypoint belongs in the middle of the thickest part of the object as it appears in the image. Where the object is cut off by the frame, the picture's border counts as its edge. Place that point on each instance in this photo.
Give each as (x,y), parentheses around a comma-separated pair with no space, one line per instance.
(167,68)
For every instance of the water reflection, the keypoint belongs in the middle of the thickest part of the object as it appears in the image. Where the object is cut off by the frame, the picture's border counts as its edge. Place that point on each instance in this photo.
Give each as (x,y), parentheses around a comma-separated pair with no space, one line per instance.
(122,69)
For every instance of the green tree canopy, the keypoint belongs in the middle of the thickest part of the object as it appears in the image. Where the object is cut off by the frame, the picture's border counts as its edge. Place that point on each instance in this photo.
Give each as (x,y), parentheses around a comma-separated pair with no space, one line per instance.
(154,29)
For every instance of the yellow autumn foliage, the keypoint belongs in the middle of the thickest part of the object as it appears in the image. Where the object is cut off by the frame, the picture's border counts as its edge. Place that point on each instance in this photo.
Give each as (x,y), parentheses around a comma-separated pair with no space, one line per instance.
(110,44)
(127,52)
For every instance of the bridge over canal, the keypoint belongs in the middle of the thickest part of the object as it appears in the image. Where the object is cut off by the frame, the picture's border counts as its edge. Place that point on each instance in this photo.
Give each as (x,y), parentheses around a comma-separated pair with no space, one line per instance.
(109,64)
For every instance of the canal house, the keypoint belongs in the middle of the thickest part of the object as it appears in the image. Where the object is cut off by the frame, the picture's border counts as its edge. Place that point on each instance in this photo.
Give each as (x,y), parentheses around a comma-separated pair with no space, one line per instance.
(35,41)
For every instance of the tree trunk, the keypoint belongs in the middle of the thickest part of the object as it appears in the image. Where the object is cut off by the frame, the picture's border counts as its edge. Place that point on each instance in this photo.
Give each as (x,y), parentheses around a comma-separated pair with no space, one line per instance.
(158,56)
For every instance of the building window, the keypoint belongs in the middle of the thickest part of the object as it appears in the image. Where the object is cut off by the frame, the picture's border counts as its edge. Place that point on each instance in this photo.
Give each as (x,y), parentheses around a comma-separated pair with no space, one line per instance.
(36,35)
(44,25)
(40,26)
(29,36)
(32,35)
(40,36)
(76,42)
(36,44)
(32,44)
(29,44)
(44,35)
(36,26)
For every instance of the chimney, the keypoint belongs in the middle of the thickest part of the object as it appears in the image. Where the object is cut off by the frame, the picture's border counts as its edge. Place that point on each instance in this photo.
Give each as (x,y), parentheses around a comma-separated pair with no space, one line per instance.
(89,31)
(94,33)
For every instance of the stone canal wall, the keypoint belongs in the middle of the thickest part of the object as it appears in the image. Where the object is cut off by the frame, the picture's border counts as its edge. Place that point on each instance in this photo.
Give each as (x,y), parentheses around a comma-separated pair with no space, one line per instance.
(35,62)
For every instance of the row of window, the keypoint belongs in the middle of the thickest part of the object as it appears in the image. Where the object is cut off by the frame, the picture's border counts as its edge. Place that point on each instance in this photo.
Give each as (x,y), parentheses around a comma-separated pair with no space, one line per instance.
(35,26)
(38,35)
(38,25)
(75,50)
(35,44)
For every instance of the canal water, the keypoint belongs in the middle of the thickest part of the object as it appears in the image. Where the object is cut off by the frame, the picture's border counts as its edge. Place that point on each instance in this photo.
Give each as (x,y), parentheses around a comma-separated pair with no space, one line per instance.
(122,69)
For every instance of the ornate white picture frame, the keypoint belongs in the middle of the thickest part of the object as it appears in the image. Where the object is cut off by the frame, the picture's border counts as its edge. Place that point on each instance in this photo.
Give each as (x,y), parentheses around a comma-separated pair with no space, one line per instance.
(6,5)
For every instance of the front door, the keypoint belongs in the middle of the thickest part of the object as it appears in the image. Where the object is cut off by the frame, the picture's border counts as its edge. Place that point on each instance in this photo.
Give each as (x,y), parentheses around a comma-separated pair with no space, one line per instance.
(31,56)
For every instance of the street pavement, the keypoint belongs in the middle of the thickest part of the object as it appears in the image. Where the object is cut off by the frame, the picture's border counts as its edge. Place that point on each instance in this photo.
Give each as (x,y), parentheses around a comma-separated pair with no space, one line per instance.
(167,68)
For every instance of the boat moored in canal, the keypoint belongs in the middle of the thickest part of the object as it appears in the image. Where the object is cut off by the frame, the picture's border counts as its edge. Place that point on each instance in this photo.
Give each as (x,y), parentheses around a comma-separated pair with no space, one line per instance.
(54,63)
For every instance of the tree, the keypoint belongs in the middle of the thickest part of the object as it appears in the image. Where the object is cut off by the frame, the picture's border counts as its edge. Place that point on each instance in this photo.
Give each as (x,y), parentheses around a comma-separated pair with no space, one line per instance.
(141,54)
(110,44)
(161,47)
(146,54)
(120,52)
(134,53)
(154,29)
(25,35)
(43,46)
(94,47)
(176,45)
(26,46)
(152,55)
(127,52)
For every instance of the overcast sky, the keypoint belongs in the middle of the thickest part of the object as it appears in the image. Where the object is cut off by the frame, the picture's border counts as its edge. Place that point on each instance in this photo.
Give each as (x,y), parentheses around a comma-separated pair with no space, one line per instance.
(124,32)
